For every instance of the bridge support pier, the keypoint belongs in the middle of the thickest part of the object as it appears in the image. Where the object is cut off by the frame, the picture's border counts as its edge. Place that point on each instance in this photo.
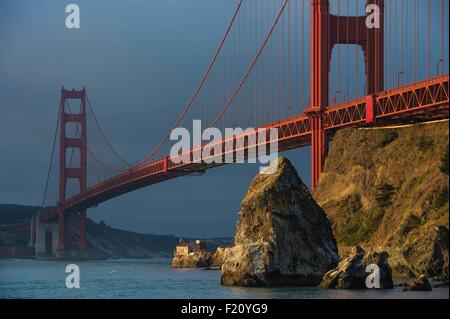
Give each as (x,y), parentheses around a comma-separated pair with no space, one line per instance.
(71,235)
(319,146)
(33,224)
(47,238)
(61,229)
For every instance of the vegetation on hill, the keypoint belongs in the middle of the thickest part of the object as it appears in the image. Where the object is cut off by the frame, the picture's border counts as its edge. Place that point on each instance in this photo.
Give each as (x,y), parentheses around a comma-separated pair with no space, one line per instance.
(12,213)
(388,189)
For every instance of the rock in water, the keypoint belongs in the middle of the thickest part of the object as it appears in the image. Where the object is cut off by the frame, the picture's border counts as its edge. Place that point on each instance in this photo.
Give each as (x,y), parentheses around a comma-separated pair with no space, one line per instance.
(192,260)
(283,237)
(420,284)
(200,259)
(351,271)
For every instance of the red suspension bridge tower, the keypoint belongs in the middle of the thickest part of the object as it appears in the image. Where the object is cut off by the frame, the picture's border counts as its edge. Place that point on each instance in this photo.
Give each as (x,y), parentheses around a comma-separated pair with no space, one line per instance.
(72,227)
(327,31)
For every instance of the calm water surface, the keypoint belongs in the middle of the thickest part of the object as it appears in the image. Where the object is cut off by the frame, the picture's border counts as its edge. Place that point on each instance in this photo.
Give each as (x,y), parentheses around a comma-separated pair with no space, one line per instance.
(153,278)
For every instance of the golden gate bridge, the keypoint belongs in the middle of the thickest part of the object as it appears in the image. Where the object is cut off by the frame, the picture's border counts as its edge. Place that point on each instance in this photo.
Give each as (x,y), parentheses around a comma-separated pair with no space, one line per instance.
(306,68)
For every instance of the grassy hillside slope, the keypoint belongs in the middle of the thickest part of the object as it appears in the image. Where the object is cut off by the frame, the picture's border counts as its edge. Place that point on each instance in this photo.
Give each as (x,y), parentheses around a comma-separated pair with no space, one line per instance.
(388,189)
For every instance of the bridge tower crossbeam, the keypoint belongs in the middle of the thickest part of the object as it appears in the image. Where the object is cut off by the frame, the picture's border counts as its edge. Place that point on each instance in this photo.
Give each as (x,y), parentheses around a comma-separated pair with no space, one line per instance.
(327,31)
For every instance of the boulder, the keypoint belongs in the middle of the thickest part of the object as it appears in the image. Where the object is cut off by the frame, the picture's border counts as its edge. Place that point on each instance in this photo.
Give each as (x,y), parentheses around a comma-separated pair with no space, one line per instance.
(282,236)
(420,284)
(351,272)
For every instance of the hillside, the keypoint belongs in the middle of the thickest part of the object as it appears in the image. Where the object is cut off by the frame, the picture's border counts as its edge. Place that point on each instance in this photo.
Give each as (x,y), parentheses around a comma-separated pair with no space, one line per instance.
(12,213)
(103,241)
(388,189)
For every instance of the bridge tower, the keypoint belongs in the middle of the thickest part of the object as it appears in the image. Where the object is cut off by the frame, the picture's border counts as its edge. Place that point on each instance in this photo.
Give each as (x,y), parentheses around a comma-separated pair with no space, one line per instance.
(72,224)
(327,31)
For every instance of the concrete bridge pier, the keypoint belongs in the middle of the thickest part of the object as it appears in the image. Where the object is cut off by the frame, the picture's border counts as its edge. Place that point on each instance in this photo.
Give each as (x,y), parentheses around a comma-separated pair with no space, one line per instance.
(46,238)
(47,241)
(33,231)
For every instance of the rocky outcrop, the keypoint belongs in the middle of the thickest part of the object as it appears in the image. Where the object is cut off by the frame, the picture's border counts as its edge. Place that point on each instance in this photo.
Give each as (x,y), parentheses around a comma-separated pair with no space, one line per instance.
(201,259)
(218,257)
(387,189)
(283,237)
(420,284)
(352,271)
(192,260)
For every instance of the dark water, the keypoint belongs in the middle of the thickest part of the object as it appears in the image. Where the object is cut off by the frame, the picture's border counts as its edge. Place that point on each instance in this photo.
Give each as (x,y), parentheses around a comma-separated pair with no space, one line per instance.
(153,278)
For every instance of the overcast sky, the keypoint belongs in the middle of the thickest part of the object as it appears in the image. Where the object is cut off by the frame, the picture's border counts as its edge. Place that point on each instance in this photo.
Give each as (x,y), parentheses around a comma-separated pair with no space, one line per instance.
(119,55)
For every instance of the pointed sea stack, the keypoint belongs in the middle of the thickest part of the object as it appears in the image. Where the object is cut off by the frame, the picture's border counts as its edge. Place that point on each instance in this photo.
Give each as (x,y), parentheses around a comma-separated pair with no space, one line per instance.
(283,238)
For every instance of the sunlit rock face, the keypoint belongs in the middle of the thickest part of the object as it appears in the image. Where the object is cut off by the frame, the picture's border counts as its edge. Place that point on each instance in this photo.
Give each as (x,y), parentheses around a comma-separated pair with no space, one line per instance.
(386,189)
(200,259)
(283,237)
(352,271)
(192,260)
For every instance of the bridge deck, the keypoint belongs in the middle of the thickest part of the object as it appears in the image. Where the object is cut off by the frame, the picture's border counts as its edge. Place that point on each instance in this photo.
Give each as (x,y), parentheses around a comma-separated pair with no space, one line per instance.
(422,101)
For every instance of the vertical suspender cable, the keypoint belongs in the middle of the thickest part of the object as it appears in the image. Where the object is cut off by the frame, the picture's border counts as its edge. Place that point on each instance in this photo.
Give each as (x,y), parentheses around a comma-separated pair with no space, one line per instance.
(406,41)
(339,49)
(416,41)
(303,57)
(390,67)
(396,43)
(402,37)
(289,59)
(346,52)
(429,38)
(442,35)
(356,53)
(296,54)
(255,100)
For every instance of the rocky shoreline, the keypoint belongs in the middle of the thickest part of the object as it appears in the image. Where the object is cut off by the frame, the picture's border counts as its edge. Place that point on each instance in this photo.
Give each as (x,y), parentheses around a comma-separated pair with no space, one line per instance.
(386,189)
(284,238)
(353,272)
(201,259)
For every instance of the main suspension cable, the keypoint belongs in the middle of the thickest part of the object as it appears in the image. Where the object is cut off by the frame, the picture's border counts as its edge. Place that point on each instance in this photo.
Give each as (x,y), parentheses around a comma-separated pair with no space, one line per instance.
(200,86)
(104,135)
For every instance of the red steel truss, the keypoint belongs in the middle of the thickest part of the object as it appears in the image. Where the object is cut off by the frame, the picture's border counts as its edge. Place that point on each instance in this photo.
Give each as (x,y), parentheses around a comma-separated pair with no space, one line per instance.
(422,101)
